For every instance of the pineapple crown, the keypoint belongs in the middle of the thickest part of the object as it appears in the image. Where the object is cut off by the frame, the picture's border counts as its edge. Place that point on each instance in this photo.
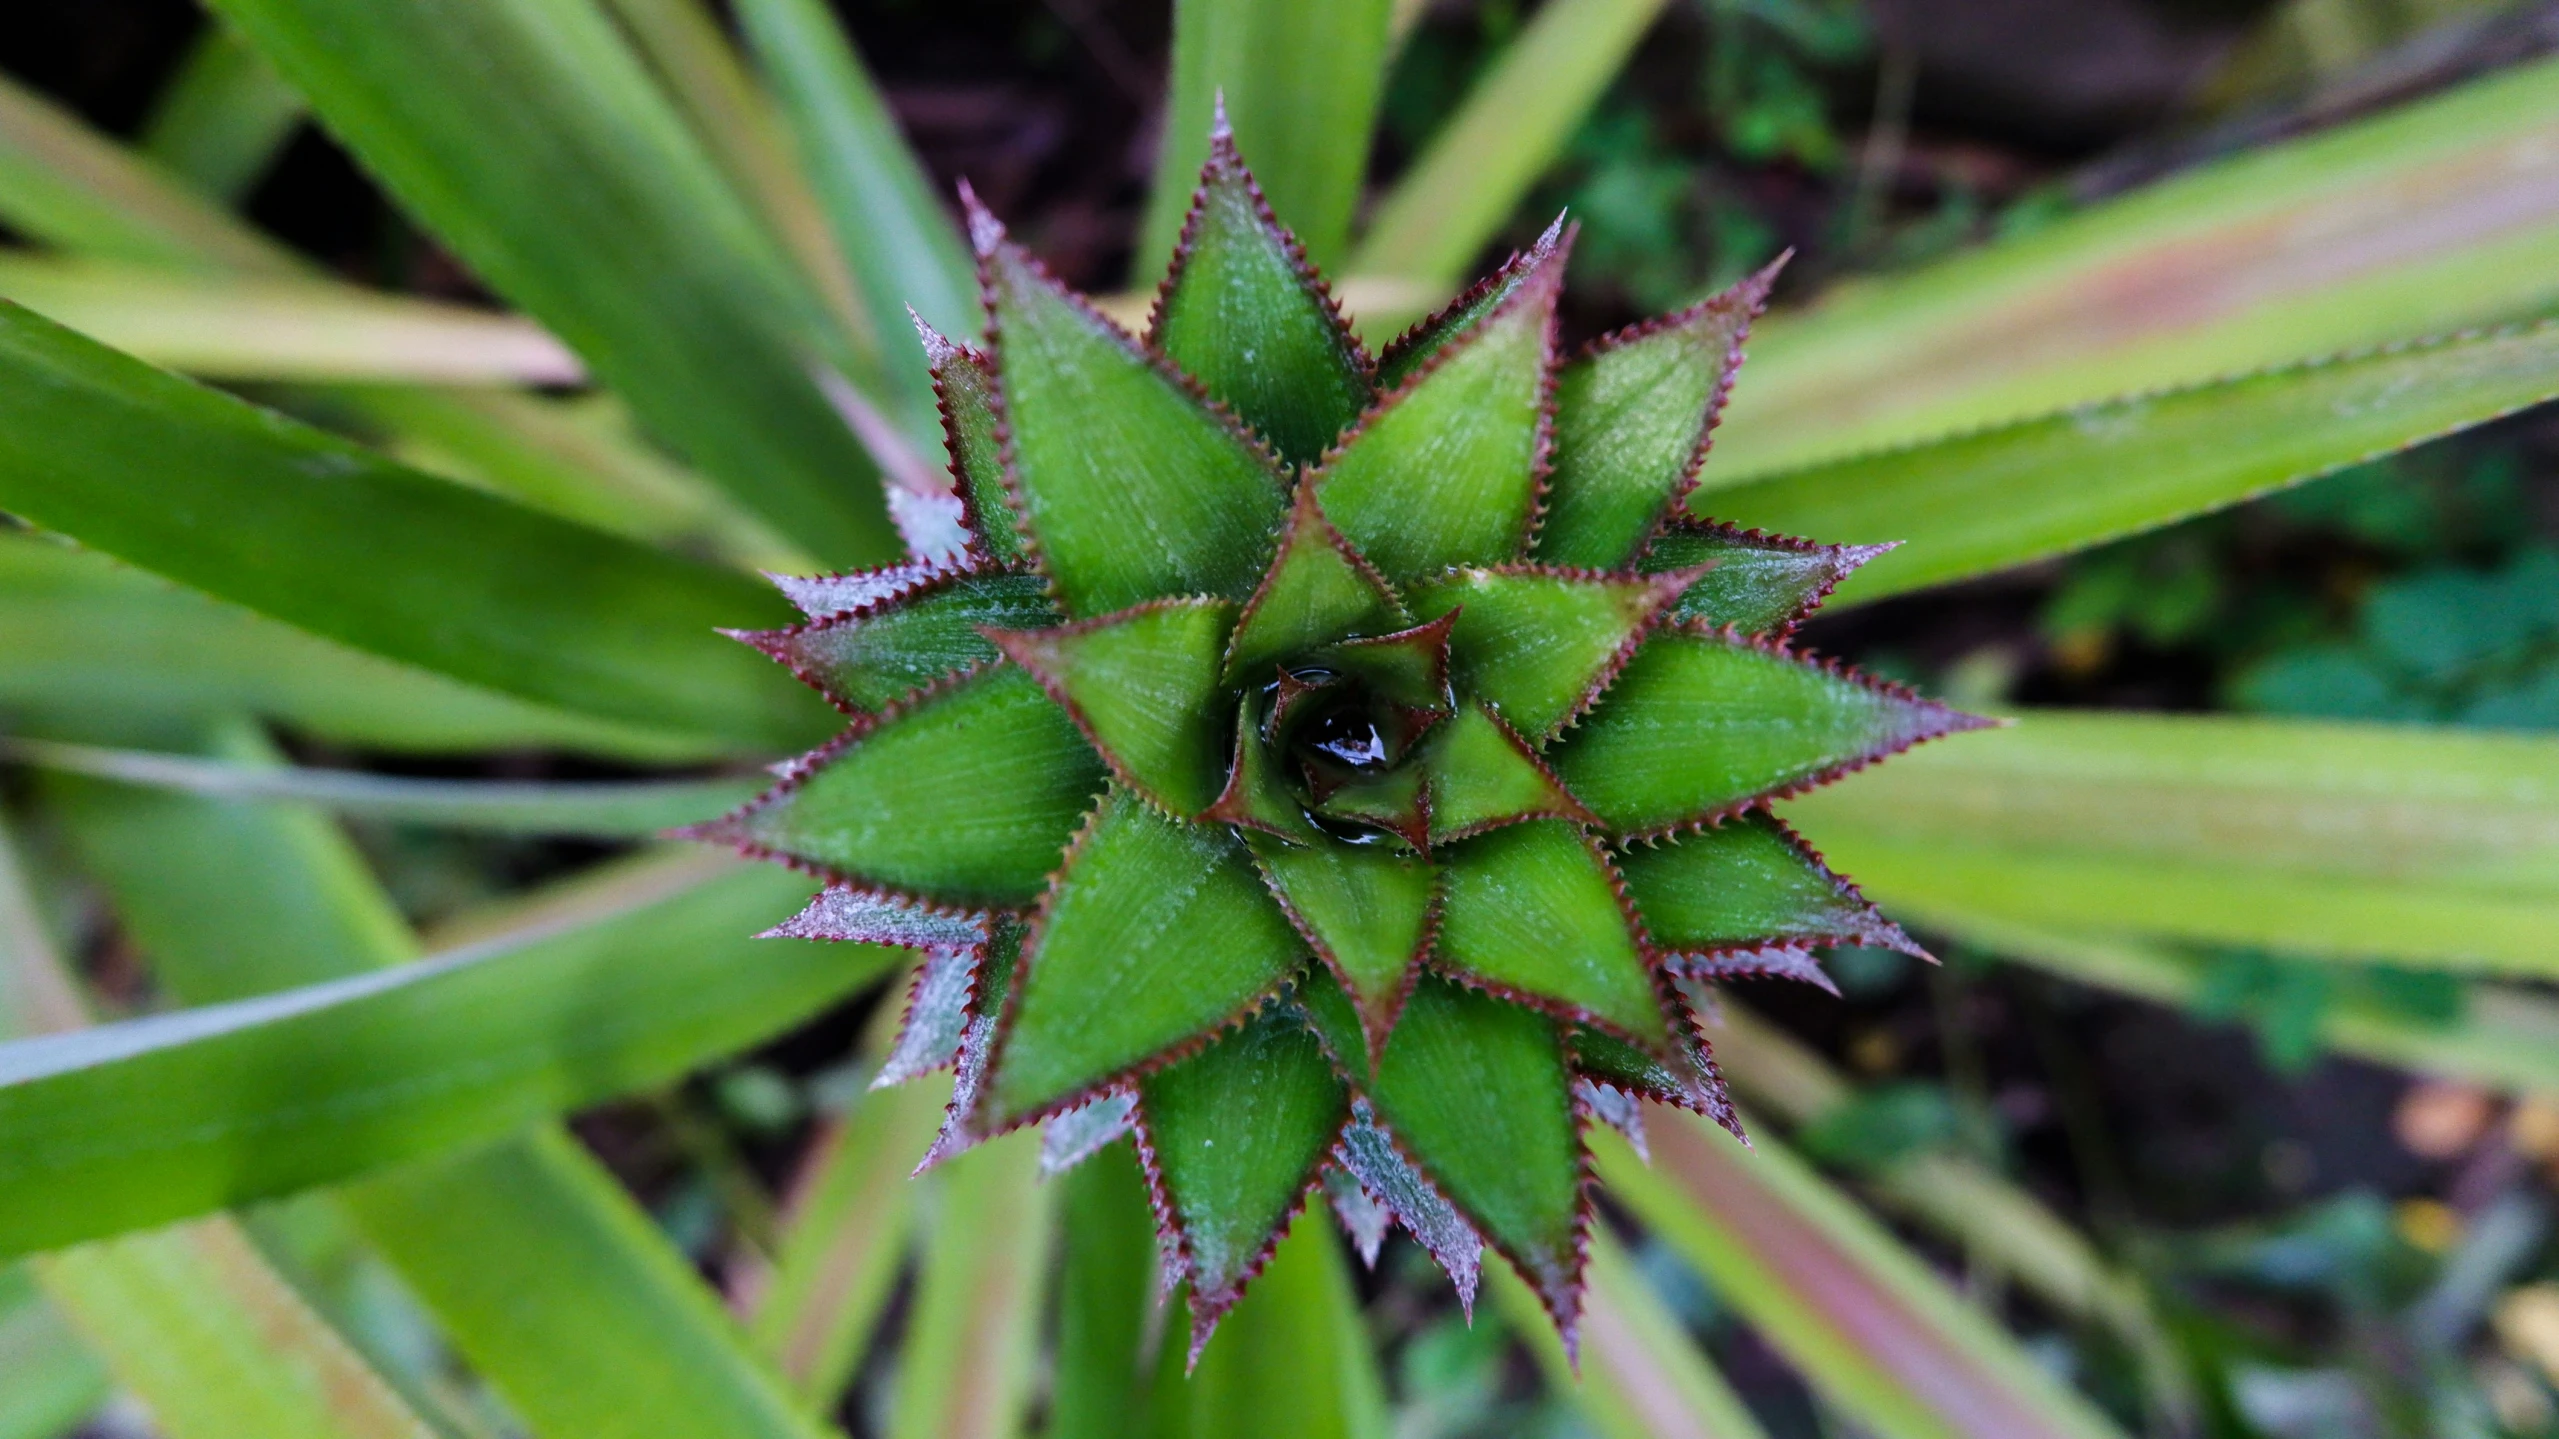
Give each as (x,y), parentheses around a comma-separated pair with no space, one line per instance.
(1342,772)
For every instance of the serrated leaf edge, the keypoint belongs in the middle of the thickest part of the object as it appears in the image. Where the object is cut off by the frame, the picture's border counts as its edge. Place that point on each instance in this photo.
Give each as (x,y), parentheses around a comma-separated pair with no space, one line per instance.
(1222,152)
(1172,1240)
(1551,250)
(1962,722)
(1749,295)
(1851,558)
(1035,930)
(986,237)
(1662,591)
(775,645)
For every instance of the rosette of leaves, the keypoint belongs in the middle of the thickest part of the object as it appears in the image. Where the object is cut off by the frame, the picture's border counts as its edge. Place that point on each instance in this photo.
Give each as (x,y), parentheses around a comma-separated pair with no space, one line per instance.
(1334,768)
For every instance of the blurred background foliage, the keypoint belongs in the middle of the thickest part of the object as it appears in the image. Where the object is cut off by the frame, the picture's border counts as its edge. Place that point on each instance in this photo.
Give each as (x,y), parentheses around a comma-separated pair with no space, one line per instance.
(2328,1247)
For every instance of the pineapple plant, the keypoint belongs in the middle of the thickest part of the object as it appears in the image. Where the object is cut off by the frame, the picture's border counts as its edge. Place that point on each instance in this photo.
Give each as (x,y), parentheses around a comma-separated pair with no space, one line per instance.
(1326,771)
(1338,770)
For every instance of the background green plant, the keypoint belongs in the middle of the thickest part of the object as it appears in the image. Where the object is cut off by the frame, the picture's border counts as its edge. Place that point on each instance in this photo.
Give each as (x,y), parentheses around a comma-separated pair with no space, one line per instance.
(720,235)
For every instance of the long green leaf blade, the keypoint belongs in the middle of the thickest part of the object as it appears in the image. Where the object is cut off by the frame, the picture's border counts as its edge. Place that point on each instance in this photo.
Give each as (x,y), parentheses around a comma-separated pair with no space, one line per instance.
(1999,1225)
(1107,1293)
(83,637)
(851,1213)
(1300,80)
(221,121)
(2357,841)
(531,139)
(329,537)
(238,328)
(66,185)
(229,900)
(966,1369)
(1513,124)
(603,810)
(201,1327)
(193,1319)
(578,459)
(2504,1037)
(2420,220)
(2005,496)
(163,1117)
(900,244)
(1863,1318)
(1640,1375)
(54,1381)
(622,1343)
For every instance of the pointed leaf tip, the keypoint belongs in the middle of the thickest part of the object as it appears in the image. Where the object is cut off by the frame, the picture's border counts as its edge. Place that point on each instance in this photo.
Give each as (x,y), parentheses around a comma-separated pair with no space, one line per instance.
(966,396)
(818,596)
(1635,417)
(1746,886)
(1538,643)
(935,1025)
(1447,467)
(1316,590)
(964,793)
(1101,429)
(856,915)
(1069,1139)
(1244,314)
(938,347)
(1476,1093)
(893,645)
(1483,776)
(986,233)
(1760,584)
(1370,914)
(1364,1217)
(1369,1154)
(1703,724)
(1778,962)
(1534,912)
(1235,1136)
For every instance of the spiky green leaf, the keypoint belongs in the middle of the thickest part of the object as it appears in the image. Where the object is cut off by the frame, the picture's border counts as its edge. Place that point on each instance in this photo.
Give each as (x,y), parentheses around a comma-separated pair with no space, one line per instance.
(1257,795)
(1131,488)
(1701,724)
(1155,933)
(1760,584)
(1317,590)
(1408,667)
(1533,910)
(1538,644)
(967,794)
(1235,1133)
(1367,909)
(873,656)
(1397,802)
(965,387)
(1445,468)
(1633,415)
(1475,1091)
(1483,776)
(1143,686)
(1242,314)
(1745,883)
